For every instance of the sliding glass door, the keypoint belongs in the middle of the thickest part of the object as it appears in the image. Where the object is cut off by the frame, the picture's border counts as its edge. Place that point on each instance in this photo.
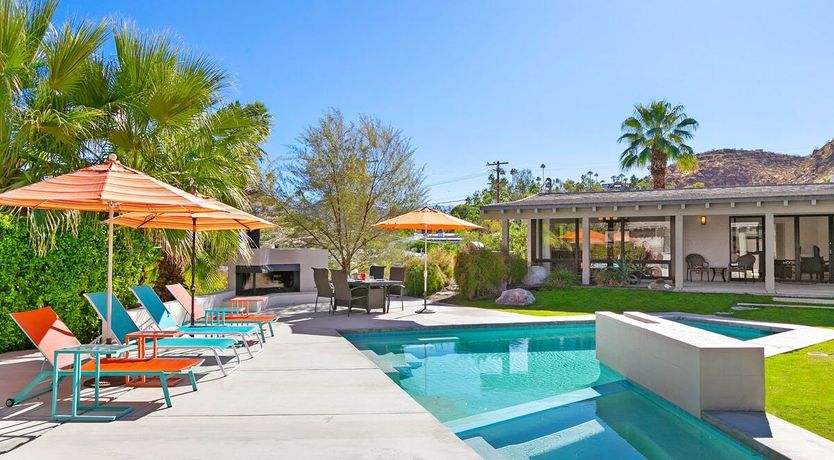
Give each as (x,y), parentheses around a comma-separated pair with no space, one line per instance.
(747,248)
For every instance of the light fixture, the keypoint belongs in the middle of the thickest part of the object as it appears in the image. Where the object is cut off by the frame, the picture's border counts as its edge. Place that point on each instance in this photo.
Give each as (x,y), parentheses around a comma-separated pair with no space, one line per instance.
(703,220)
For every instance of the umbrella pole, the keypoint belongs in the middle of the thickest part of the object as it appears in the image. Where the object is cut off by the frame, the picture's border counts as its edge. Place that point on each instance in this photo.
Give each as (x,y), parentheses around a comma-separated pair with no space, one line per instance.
(193,264)
(106,324)
(425,271)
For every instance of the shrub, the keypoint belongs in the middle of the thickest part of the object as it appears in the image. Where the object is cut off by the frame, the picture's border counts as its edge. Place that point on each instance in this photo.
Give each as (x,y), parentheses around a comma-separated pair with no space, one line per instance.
(611,277)
(444,258)
(516,269)
(561,278)
(479,272)
(414,277)
(77,263)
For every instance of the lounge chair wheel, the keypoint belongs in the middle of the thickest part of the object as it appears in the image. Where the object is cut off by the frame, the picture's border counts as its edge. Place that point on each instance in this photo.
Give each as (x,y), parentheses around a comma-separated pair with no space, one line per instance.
(10,402)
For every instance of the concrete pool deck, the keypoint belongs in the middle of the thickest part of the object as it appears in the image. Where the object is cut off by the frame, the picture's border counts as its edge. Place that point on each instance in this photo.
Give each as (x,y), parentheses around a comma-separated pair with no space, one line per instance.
(309,394)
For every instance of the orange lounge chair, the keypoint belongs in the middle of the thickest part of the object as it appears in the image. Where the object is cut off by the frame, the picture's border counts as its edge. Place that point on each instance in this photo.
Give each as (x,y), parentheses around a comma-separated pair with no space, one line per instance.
(182,296)
(49,334)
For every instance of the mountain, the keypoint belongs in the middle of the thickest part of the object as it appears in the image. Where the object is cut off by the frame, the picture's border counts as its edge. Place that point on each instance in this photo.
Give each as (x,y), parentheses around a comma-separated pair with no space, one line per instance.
(728,167)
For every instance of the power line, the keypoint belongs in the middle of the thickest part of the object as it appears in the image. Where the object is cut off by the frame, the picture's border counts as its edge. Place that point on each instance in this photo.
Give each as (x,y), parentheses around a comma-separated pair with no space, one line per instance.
(497,165)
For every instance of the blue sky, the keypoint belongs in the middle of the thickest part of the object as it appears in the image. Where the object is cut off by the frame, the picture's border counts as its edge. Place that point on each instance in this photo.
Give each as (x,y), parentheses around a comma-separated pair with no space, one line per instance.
(527,82)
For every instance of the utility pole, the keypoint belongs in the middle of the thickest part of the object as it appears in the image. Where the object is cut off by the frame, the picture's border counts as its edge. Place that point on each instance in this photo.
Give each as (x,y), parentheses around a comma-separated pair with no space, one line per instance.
(497,165)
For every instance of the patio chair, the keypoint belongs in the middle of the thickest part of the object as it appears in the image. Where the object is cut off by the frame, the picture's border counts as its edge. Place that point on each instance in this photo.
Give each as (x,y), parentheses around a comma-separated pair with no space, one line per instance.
(181,295)
(744,264)
(397,274)
(153,304)
(49,334)
(696,263)
(122,324)
(377,272)
(344,295)
(812,263)
(321,276)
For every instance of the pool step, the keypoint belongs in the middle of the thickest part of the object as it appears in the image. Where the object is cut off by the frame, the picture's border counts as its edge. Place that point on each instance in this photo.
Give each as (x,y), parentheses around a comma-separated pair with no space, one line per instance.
(473,422)
(482,448)
(554,441)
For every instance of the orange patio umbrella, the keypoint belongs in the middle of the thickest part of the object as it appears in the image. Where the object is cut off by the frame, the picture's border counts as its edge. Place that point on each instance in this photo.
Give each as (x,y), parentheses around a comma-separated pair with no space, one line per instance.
(107,187)
(229,218)
(426,219)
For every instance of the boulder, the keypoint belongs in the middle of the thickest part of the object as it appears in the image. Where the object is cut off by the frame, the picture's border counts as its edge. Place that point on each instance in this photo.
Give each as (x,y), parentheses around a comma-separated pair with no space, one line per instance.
(661,285)
(535,276)
(516,296)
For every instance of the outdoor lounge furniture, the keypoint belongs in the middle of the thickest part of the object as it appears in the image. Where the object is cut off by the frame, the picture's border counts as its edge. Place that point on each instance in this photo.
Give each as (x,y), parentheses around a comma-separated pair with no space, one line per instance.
(695,263)
(812,263)
(182,296)
(122,325)
(56,343)
(321,276)
(153,304)
(397,274)
(346,296)
(744,264)
(377,272)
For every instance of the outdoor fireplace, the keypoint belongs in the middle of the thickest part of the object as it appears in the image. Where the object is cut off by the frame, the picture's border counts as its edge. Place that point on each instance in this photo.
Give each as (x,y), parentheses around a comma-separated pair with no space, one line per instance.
(267,279)
(275,271)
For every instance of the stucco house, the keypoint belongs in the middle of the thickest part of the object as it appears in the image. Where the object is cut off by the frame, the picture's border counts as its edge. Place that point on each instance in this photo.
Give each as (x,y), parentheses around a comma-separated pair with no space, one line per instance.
(769,237)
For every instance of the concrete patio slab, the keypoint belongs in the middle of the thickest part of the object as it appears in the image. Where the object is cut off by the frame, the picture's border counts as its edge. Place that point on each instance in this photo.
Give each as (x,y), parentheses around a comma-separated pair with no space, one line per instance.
(774,437)
(310,394)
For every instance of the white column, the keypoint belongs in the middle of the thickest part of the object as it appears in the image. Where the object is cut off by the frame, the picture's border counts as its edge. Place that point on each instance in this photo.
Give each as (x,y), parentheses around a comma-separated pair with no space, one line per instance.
(530,242)
(545,242)
(770,252)
(505,235)
(586,251)
(678,256)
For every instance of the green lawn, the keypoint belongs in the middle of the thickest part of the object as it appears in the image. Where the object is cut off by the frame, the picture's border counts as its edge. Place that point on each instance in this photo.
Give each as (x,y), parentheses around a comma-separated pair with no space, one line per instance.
(583,300)
(800,387)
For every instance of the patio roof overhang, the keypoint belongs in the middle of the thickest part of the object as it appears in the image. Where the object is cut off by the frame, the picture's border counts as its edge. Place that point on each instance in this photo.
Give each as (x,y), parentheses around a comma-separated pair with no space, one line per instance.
(757,199)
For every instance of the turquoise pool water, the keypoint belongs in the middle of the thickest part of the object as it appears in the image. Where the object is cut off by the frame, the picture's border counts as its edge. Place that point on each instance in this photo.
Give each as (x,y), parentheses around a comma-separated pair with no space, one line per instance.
(730,330)
(538,392)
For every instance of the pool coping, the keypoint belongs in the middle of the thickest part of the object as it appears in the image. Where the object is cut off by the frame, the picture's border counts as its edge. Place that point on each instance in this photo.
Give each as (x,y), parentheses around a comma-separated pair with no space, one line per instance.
(585,319)
(790,337)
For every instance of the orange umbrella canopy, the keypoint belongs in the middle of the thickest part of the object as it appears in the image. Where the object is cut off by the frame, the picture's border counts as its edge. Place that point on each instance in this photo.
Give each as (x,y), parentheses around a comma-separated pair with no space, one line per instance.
(109,186)
(427,218)
(228,219)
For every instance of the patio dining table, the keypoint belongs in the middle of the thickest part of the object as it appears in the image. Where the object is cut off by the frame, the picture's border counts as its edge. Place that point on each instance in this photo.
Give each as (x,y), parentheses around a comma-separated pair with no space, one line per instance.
(378,296)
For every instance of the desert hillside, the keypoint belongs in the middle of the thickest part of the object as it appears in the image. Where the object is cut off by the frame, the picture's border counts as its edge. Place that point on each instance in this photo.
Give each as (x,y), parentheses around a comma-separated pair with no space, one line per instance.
(728,167)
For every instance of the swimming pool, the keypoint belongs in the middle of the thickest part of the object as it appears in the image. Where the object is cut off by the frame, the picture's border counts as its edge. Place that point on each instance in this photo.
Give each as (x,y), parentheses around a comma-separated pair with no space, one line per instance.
(538,392)
(740,332)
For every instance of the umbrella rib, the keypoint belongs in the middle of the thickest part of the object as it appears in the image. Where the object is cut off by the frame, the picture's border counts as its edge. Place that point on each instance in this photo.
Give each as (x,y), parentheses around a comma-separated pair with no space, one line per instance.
(148,220)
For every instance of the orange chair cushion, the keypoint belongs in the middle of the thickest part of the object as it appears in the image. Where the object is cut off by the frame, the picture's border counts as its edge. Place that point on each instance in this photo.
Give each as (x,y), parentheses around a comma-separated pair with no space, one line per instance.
(143,365)
(259,318)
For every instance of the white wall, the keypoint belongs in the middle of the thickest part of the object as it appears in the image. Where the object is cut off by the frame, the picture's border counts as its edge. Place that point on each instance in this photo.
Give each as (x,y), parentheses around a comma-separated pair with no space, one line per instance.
(711,240)
(692,368)
(306,258)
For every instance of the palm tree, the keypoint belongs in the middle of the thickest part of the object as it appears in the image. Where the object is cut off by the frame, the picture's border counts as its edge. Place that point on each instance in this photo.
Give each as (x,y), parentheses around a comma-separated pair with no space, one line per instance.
(656,134)
(64,106)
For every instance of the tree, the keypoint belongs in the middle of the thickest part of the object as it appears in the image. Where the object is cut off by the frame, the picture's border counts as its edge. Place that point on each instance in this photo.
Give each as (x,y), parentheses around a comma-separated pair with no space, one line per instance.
(65,105)
(657,134)
(345,177)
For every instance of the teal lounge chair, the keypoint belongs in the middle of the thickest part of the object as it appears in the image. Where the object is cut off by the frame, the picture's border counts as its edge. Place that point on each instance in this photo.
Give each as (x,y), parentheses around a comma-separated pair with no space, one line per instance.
(122,325)
(163,318)
(49,334)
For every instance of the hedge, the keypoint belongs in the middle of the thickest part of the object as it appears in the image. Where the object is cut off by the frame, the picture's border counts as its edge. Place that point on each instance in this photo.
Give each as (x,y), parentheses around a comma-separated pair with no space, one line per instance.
(77,263)
(436,280)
